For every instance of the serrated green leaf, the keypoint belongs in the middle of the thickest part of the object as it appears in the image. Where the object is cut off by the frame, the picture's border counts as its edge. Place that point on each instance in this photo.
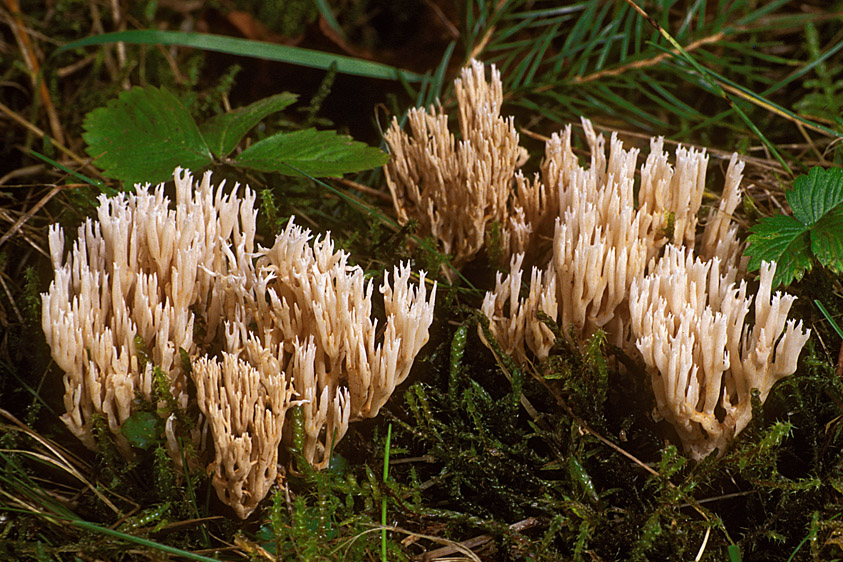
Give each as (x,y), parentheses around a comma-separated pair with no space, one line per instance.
(815,195)
(827,239)
(312,152)
(143,135)
(784,240)
(224,132)
(815,230)
(141,429)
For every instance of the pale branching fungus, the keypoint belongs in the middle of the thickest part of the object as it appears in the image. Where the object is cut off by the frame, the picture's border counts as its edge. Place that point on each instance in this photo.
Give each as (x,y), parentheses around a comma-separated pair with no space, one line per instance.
(456,190)
(703,360)
(601,245)
(146,285)
(123,303)
(245,408)
(310,300)
(601,242)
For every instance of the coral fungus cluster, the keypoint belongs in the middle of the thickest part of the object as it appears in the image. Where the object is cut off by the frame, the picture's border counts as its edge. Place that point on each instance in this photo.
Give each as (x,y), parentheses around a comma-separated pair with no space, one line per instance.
(262,329)
(634,271)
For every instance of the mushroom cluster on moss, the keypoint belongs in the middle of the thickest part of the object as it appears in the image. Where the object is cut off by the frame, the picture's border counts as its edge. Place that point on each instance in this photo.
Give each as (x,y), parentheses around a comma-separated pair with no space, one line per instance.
(264,329)
(596,254)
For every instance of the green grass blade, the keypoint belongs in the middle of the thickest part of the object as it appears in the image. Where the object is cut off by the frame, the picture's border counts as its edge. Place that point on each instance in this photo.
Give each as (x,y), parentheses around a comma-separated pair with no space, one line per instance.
(328,14)
(828,317)
(249,48)
(383,500)
(96,183)
(141,541)
(707,75)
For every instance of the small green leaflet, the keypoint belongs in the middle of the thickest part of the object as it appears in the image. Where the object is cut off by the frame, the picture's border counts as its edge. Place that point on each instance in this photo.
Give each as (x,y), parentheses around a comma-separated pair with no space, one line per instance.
(225,131)
(815,231)
(310,152)
(145,133)
(142,429)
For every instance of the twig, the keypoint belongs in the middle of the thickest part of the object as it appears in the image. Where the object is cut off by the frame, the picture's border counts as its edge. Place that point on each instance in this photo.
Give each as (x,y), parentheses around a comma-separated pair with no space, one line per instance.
(11,299)
(4,214)
(41,134)
(33,65)
(72,68)
(365,189)
(120,25)
(440,15)
(478,48)
(478,540)
(22,172)
(27,215)
(645,63)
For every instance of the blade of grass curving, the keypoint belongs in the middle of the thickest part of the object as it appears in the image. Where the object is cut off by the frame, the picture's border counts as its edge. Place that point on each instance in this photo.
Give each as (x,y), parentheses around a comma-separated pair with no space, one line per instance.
(805,69)
(16,480)
(383,499)
(60,459)
(60,515)
(707,76)
(761,101)
(437,81)
(102,186)
(828,317)
(249,48)
(139,540)
(328,15)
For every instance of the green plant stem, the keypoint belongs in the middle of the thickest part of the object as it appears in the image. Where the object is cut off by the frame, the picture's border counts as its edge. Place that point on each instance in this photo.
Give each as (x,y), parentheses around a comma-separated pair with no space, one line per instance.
(383,499)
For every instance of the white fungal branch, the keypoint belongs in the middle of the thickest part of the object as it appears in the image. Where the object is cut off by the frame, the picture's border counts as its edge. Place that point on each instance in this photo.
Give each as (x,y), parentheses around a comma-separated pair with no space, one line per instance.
(703,359)
(133,277)
(435,178)
(292,323)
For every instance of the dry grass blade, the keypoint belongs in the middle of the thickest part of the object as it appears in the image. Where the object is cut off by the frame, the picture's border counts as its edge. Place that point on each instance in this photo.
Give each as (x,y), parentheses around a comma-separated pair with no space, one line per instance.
(441,553)
(58,459)
(29,214)
(22,37)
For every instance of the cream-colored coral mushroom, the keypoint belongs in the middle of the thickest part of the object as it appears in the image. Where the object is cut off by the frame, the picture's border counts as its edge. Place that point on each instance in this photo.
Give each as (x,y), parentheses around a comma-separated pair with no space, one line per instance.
(308,299)
(245,408)
(129,287)
(703,360)
(601,242)
(293,324)
(456,189)
(720,235)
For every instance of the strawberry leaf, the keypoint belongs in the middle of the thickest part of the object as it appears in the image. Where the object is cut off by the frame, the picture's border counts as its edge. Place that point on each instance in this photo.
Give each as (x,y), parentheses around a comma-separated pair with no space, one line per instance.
(814,231)
(815,195)
(143,135)
(225,131)
(310,152)
(827,240)
(784,240)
